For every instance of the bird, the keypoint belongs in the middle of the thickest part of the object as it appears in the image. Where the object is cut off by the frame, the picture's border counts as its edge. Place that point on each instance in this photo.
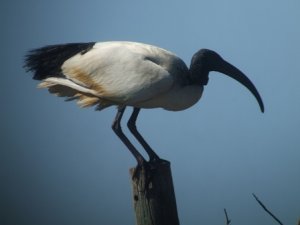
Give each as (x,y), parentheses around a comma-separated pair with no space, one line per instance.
(128,74)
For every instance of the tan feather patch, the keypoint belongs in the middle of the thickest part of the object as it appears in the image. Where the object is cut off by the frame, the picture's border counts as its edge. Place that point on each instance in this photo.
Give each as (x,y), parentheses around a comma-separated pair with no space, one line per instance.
(86,101)
(83,99)
(86,80)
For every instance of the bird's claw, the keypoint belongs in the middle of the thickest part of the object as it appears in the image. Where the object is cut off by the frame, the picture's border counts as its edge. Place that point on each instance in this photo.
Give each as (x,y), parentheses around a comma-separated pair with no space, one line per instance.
(146,171)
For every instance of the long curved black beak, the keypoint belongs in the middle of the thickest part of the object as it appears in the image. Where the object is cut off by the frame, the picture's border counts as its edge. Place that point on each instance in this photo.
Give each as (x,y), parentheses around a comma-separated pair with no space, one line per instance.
(233,72)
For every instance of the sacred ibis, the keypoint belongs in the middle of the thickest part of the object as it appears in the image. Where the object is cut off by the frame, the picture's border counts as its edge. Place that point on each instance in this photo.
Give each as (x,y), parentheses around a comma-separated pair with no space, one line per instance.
(104,74)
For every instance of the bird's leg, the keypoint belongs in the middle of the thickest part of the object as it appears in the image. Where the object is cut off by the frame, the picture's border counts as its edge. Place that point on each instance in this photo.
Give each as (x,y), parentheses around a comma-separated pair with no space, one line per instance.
(153,157)
(116,126)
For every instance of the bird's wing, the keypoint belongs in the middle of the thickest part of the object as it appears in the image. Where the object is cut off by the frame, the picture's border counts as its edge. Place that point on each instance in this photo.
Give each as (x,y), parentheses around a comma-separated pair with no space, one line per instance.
(121,72)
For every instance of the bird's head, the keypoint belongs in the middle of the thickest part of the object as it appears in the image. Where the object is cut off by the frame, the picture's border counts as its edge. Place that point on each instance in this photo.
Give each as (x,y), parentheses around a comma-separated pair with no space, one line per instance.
(206,60)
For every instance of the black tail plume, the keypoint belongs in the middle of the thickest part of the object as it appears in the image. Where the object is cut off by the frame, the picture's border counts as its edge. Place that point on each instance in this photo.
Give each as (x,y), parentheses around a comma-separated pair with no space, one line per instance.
(47,61)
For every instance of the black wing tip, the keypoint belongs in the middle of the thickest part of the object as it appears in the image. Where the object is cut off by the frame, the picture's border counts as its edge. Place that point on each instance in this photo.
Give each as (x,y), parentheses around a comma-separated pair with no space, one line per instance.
(47,61)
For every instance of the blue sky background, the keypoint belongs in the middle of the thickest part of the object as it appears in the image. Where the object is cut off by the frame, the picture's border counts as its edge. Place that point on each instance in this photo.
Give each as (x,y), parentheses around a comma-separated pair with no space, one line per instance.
(63,165)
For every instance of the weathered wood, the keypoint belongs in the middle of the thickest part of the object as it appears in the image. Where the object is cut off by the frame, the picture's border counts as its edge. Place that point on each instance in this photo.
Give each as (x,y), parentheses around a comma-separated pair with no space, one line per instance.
(153,195)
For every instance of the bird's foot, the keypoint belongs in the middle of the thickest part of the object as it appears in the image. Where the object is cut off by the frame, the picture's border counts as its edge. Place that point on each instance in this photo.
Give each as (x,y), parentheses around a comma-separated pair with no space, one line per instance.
(141,170)
(144,172)
(156,161)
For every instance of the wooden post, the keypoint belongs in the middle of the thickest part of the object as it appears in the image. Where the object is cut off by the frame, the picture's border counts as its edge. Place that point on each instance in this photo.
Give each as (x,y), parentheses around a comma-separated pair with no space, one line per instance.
(153,195)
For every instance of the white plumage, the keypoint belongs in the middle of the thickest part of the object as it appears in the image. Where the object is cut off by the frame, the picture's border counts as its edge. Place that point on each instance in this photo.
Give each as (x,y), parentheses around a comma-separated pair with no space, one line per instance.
(128,74)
